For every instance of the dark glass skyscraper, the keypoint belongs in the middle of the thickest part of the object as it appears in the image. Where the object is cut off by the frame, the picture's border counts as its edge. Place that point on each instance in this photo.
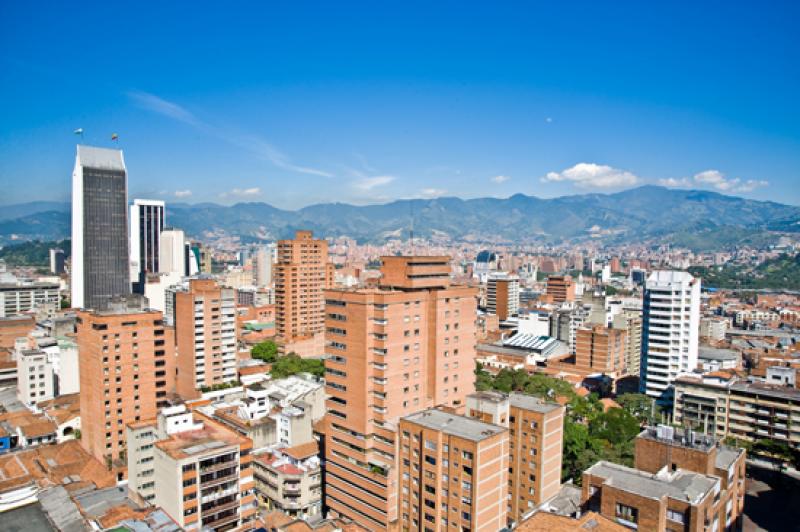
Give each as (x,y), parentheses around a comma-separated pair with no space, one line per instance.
(100,258)
(146,225)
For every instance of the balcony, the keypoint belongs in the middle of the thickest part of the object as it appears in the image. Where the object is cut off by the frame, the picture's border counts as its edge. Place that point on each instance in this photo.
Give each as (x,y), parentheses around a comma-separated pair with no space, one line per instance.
(220,520)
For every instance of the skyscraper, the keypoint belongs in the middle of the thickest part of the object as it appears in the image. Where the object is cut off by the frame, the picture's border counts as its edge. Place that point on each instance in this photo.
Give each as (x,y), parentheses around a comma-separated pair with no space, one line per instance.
(394,350)
(302,273)
(670,331)
(146,224)
(172,252)
(100,258)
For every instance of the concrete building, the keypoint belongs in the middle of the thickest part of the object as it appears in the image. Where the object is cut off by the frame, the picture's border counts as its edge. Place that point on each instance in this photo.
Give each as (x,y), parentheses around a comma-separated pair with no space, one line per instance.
(665,447)
(715,359)
(713,328)
(453,473)
(57,261)
(262,265)
(172,253)
(561,288)
(205,332)
(35,377)
(100,259)
(146,224)
(600,349)
(289,479)
(536,434)
(671,321)
(565,322)
(302,273)
(630,321)
(127,370)
(502,295)
(722,405)
(21,296)
(404,346)
(194,468)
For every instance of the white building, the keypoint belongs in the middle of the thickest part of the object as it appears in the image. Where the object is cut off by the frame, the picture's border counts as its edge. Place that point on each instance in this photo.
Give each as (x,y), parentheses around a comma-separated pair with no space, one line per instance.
(20,296)
(670,330)
(146,224)
(502,289)
(172,253)
(713,328)
(34,377)
(263,260)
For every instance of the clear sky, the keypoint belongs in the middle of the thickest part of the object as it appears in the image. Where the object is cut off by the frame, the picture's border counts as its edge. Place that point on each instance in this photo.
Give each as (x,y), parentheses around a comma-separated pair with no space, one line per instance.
(295,103)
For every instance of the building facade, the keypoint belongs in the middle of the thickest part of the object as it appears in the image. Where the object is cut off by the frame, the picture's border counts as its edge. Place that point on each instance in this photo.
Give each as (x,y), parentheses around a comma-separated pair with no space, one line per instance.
(502,295)
(100,259)
(146,224)
(600,349)
(35,378)
(19,297)
(561,288)
(670,328)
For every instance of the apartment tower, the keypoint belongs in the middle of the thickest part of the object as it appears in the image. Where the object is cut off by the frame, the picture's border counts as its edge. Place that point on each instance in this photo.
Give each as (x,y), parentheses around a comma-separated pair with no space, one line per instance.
(126,373)
(302,273)
(670,330)
(100,258)
(536,434)
(205,332)
(561,288)
(630,321)
(502,295)
(404,346)
(146,224)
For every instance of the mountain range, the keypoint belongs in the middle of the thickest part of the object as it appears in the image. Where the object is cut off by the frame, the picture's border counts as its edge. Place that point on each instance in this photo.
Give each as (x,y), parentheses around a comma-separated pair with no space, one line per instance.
(640,214)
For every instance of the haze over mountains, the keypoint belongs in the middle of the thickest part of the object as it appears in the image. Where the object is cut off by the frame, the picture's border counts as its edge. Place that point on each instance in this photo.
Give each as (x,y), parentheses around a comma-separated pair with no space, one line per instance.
(639,214)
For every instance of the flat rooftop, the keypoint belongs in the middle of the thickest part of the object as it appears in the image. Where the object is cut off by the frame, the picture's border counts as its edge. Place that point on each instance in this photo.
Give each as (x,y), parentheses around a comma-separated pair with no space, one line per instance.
(680,485)
(532,403)
(770,390)
(211,439)
(727,456)
(454,425)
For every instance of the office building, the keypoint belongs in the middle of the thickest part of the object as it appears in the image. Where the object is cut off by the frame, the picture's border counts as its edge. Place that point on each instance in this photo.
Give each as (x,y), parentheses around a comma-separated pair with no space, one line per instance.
(126,372)
(561,288)
(100,258)
(172,252)
(600,349)
(667,448)
(453,473)
(205,332)
(146,224)
(536,435)
(302,273)
(57,261)
(401,347)
(670,325)
(35,377)
(18,296)
(194,468)
(502,295)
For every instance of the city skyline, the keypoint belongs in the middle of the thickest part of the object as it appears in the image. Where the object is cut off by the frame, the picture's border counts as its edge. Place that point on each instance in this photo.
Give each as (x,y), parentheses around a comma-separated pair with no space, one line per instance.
(475,102)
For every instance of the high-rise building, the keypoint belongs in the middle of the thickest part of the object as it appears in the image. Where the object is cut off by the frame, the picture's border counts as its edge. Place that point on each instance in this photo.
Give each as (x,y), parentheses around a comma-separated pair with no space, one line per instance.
(194,468)
(564,325)
(536,433)
(100,258)
(404,346)
(57,260)
(630,321)
(600,349)
(670,329)
(262,266)
(127,372)
(502,295)
(146,224)
(561,288)
(453,473)
(172,252)
(205,332)
(302,273)
(35,378)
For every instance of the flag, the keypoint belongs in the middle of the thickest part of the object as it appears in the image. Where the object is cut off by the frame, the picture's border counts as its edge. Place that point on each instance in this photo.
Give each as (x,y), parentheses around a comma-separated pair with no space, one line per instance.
(79,131)
(114,136)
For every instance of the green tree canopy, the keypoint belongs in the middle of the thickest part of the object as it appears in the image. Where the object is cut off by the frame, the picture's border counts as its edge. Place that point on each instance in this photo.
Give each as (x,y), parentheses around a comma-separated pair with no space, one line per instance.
(266,351)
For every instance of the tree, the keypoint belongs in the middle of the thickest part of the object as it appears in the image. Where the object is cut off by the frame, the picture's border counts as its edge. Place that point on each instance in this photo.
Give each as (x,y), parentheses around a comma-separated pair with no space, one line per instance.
(639,406)
(615,426)
(266,351)
(292,364)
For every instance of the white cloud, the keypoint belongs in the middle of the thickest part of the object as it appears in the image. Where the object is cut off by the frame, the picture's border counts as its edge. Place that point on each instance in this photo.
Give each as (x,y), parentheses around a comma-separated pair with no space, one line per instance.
(368,183)
(717,180)
(183,193)
(500,179)
(673,182)
(242,193)
(591,175)
(252,143)
(432,192)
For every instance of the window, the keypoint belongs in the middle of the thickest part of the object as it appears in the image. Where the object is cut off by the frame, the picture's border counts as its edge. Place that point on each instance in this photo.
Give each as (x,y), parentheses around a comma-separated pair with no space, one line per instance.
(676,516)
(628,514)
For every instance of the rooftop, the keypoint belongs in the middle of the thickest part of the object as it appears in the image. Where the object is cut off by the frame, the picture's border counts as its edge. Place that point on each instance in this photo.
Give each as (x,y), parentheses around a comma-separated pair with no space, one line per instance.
(454,425)
(195,443)
(590,521)
(101,158)
(680,485)
(679,437)
(532,403)
(715,353)
(769,390)
(726,456)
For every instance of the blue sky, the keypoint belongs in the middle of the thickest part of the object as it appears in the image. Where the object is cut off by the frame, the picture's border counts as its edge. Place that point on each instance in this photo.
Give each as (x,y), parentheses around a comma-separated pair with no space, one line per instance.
(295,103)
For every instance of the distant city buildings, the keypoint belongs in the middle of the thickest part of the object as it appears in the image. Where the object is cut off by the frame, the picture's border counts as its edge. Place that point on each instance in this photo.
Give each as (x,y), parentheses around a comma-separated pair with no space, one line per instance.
(57,261)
